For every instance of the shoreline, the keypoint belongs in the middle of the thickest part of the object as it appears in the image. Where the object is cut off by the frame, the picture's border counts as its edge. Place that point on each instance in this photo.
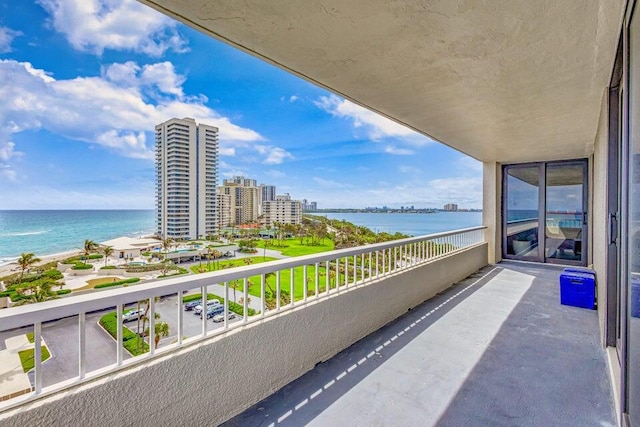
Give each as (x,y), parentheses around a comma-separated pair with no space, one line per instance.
(12,266)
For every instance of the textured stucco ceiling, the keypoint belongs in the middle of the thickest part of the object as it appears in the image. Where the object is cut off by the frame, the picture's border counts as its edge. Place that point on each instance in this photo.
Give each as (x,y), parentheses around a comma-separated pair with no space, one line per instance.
(500,80)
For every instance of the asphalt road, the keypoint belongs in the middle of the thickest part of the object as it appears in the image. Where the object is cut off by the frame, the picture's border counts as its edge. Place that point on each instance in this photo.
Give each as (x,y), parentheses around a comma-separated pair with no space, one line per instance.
(61,336)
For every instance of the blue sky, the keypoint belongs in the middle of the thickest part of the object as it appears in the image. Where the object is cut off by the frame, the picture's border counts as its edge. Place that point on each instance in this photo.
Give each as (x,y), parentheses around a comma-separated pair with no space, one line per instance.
(83,82)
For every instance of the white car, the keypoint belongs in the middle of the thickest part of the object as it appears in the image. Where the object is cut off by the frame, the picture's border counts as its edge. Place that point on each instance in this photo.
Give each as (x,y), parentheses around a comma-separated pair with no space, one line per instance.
(132,315)
(198,309)
(220,318)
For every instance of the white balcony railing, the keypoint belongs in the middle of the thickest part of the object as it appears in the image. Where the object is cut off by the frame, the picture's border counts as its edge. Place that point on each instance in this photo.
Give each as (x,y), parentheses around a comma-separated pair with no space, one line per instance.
(322,275)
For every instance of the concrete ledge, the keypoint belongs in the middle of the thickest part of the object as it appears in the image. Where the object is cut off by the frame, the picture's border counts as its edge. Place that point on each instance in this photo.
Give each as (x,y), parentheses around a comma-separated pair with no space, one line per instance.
(208,383)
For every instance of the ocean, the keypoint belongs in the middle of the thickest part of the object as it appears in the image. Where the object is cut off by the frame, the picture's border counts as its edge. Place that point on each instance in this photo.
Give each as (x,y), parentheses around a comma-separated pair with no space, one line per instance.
(46,232)
(417,224)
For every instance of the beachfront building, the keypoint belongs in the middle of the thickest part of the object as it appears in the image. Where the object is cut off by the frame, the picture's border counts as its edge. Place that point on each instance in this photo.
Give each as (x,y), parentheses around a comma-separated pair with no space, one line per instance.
(130,247)
(244,201)
(186,179)
(242,181)
(546,95)
(308,206)
(282,210)
(223,209)
(451,207)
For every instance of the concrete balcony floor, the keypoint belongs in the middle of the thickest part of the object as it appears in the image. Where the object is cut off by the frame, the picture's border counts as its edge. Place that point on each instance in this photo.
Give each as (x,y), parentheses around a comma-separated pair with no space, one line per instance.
(495,349)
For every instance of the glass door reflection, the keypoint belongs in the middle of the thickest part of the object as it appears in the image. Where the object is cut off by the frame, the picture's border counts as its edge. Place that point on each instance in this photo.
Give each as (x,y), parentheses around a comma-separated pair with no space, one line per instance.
(522,212)
(565,216)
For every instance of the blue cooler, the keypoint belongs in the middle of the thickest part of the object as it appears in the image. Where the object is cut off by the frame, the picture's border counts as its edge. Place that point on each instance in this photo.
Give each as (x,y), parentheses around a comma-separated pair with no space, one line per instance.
(578,288)
(635,297)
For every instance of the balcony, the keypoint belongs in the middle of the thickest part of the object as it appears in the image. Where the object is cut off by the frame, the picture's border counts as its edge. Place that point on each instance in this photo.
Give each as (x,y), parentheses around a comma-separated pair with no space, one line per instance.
(357,287)
(496,348)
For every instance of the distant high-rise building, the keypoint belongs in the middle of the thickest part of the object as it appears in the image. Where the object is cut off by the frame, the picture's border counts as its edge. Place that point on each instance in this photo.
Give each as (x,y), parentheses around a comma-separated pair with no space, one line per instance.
(268,192)
(186,179)
(223,208)
(244,202)
(309,206)
(242,181)
(451,207)
(282,210)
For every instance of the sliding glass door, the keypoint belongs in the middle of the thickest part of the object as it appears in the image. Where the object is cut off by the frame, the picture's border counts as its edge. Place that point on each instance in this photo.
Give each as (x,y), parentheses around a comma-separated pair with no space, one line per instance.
(545,212)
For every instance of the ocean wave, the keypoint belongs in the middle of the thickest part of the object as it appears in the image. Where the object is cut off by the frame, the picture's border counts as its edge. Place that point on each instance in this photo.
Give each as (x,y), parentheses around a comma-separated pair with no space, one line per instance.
(25,233)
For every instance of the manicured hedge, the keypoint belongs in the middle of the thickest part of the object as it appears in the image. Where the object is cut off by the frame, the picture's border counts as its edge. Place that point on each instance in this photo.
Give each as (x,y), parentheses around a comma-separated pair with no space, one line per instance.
(130,340)
(108,267)
(117,283)
(63,291)
(81,266)
(75,259)
(146,268)
(52,274)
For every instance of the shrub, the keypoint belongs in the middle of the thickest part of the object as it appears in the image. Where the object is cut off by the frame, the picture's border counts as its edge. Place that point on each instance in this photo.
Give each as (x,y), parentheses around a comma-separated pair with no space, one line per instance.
(52,274)
(117,283)
(146,268)
(6,293)
(80,258)
(63,291)
(108,267)
(81,266)
(131,341)
(146,253)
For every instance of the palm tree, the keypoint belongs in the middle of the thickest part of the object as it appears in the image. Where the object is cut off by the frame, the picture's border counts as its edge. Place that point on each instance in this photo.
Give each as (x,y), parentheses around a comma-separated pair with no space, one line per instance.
(107,251)
(161,330)
(25,261)
(166,244)
(89,246)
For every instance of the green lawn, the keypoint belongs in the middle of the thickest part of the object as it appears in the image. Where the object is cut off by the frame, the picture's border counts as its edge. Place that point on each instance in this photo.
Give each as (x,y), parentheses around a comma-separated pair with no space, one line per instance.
(28,359)
(293,247)
(227,263)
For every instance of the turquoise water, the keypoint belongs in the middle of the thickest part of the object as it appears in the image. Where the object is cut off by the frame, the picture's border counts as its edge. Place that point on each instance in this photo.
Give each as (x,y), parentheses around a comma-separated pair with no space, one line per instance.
(409,223)
(48,232)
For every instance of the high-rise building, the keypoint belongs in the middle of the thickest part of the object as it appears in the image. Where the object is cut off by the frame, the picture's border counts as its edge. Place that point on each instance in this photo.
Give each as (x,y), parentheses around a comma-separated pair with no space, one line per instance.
(186,179)
(451,207)
(243,201)
(282,210)
(309,206)
(267,192)
(223,208)
(242,181)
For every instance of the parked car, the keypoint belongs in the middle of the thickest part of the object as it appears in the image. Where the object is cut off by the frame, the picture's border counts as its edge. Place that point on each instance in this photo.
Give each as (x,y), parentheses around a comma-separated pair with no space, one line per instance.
(214,310)
(198,309)
(220,317)
(132,315)
(192,304)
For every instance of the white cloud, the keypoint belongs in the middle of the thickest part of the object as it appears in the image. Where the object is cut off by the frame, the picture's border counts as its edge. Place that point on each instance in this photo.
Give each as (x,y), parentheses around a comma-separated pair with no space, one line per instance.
(293,98)
(96,25)
(407,169)
(398,151)
(113,110)
(376,126)
(226,151)
(273,155)
(6,38)
(469,165)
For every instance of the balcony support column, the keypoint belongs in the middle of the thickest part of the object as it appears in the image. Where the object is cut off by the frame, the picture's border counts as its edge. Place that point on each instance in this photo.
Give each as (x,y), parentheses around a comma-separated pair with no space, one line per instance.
(491,209)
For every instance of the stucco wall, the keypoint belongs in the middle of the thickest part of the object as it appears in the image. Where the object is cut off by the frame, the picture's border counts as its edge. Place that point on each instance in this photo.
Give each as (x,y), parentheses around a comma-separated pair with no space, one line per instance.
(492,209)
(209,382)
(598,221)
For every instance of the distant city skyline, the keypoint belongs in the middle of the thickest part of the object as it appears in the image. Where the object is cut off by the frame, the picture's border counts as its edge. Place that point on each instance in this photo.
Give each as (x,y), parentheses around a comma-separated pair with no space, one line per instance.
(80,105)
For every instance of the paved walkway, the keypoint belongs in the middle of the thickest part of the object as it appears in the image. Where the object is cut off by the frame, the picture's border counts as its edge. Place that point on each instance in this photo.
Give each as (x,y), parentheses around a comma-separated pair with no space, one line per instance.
(13,381)
(496,349)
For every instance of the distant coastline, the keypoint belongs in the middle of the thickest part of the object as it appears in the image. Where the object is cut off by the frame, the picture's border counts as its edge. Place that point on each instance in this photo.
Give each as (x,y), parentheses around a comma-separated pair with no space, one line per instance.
(388,210)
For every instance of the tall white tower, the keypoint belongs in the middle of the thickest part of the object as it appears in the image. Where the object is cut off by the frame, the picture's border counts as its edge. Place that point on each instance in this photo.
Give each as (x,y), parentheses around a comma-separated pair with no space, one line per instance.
(186,179)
